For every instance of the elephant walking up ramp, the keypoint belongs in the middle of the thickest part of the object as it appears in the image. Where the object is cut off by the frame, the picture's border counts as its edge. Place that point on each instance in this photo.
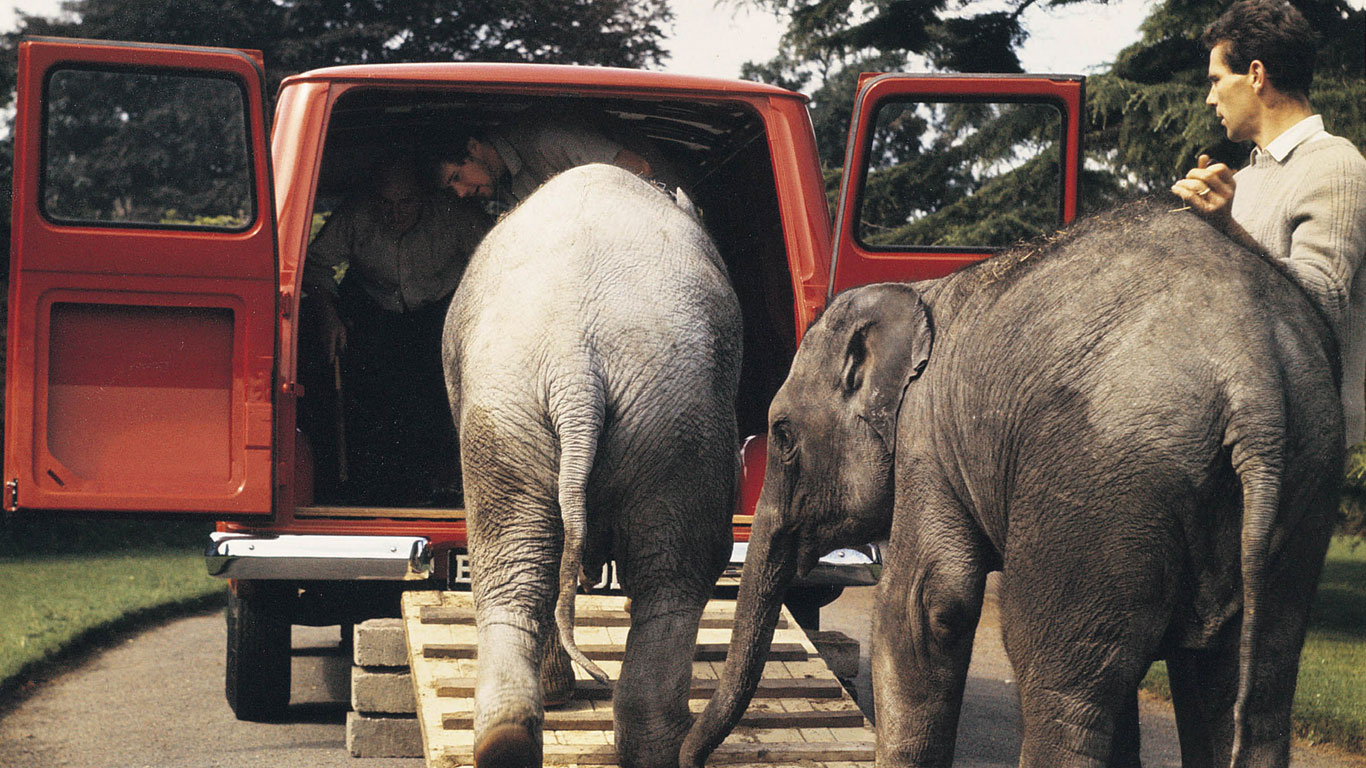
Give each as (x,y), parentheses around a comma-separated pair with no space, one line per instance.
(592,357)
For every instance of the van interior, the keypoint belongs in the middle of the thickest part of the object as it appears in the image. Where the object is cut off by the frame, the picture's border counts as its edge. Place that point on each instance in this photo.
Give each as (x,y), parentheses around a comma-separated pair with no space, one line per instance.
(717,149)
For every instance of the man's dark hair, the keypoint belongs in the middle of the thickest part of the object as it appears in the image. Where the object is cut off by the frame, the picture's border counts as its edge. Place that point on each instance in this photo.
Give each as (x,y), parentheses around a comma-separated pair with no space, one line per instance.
(451,146)
(1273,32)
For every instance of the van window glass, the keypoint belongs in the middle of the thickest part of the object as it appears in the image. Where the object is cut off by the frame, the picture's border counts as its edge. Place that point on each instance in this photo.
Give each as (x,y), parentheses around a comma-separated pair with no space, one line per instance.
(146,148)
(941,173)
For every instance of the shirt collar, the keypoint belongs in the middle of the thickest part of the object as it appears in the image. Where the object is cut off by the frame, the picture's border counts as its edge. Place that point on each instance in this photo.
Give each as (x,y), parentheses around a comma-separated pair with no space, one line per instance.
(511,160)
(1281,147)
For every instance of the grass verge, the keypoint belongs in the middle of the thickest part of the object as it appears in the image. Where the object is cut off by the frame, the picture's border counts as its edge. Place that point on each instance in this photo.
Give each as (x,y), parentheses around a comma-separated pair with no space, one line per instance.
(62,590)
(1330,699)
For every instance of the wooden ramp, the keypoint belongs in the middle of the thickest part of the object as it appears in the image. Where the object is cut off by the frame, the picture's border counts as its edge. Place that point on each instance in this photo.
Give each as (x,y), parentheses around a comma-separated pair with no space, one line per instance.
(801,715)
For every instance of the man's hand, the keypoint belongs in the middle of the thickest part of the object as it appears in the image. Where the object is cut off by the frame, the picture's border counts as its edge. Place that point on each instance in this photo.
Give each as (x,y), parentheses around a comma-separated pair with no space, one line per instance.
(1208,190)
(334,338)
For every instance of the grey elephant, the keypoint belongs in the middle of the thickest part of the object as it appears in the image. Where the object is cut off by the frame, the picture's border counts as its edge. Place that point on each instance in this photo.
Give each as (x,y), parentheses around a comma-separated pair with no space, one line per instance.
(1136,421)
(592,356)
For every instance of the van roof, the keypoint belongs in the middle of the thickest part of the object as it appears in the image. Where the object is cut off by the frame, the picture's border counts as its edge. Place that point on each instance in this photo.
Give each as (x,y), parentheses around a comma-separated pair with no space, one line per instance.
(557,75)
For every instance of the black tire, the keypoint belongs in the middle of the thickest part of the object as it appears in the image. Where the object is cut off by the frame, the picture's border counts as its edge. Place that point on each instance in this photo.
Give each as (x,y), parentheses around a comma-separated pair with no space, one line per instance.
(805,603)
(258,660)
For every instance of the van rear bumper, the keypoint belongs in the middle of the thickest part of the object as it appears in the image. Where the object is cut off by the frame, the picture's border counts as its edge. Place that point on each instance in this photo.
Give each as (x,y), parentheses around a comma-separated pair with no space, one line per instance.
(318,557)
(297,557)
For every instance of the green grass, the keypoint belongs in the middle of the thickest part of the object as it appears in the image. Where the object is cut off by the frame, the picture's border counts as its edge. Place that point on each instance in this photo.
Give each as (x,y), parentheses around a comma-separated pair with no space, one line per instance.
(1330,700)
(68,584)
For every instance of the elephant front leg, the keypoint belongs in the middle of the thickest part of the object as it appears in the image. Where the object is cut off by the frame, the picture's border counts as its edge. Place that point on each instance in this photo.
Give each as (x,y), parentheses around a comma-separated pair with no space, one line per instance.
(928,606)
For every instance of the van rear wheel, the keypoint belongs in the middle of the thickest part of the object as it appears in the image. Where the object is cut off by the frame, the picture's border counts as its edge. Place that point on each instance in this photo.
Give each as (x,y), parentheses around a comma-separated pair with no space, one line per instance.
(805,603)
(258,650)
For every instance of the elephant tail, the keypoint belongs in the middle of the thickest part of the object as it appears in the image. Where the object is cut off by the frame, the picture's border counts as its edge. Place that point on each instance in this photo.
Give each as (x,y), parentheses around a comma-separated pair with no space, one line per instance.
(578,425)
(1259,460)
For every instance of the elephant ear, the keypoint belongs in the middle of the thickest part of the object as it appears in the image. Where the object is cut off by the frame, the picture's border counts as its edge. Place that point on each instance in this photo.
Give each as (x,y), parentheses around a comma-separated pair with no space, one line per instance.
(888,348)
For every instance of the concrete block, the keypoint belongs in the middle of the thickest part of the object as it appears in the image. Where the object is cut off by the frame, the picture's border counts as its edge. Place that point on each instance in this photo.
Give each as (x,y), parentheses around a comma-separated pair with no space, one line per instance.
(383,736)
(840,652)
(382,691)
(380,643)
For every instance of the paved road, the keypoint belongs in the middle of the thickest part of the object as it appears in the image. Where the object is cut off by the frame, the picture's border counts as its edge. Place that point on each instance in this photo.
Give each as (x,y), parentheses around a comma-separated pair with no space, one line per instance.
(989,727)
(156,699)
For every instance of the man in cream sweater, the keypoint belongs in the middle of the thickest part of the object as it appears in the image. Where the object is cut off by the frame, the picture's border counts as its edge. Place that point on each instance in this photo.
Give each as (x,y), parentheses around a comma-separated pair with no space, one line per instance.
(1302,195)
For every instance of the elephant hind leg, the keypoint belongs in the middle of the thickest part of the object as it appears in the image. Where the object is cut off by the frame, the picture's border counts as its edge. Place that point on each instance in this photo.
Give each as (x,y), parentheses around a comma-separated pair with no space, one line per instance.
(1205,682)
(557,674)
(650,703)
(1079,663)
(1204,686)
(507,745)
(1124,747)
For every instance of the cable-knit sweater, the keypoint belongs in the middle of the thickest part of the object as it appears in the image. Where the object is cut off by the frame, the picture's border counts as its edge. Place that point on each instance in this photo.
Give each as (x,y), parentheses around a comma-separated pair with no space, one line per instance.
(1310,210)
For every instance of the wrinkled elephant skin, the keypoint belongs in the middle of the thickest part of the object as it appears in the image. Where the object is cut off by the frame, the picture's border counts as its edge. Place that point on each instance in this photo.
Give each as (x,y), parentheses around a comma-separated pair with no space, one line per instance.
(592,357)
(1135,420)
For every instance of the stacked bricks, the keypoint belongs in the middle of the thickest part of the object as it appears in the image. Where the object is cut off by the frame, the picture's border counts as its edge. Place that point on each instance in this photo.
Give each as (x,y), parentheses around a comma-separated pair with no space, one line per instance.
(383,720)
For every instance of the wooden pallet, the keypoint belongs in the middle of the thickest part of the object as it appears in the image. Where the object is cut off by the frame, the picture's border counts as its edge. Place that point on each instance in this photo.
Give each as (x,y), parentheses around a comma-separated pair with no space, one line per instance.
(801,715)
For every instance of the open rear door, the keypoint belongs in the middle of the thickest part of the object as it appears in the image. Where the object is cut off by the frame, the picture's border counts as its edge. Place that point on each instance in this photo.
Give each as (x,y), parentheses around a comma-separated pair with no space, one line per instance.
(945,170)
(143,282)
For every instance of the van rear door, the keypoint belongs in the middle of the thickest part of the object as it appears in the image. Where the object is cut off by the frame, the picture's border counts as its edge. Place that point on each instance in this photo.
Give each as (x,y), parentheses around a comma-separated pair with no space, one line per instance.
(945,170)
(143,282)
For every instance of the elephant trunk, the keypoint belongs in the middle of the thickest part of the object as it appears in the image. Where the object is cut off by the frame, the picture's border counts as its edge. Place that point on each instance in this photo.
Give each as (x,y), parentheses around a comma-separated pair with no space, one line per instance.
(770,566)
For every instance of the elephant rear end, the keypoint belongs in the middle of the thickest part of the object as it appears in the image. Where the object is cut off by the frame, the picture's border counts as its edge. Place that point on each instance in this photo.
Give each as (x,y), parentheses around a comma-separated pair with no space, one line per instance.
(592,356)
(1196,386)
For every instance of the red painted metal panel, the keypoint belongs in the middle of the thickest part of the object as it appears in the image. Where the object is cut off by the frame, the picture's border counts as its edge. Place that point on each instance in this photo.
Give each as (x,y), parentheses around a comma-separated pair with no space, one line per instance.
(551,77)
(141,357)
(857,265)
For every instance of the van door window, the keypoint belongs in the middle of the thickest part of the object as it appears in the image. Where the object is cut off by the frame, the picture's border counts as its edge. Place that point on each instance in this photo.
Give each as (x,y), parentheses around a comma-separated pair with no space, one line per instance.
(146,148)
(939,173)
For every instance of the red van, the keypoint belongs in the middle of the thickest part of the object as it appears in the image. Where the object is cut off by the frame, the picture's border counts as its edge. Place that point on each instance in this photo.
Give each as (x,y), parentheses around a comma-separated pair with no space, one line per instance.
(159,235)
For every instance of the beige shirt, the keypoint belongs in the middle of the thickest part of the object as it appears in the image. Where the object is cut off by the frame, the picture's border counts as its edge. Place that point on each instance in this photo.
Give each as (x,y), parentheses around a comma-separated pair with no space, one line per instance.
(400,272)
(535,153)
(1303,199)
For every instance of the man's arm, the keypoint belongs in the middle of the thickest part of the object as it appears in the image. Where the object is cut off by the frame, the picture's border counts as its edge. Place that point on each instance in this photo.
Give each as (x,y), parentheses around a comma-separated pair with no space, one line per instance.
(331,248)
(1328,242)
(581,145)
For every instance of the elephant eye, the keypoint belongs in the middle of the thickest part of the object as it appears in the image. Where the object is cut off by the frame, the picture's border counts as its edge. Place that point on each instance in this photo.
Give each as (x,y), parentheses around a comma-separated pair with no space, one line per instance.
(780,439)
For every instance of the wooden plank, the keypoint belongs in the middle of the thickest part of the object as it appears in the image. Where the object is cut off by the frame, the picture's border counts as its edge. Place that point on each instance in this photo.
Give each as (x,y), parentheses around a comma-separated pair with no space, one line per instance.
(445,614)
(793,652)
(601,720)
(701,689)
(800,715)
(437,743)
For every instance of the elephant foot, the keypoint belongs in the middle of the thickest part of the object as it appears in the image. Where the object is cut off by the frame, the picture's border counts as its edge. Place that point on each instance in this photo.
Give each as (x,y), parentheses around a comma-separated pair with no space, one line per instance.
(507,746)
(557,676)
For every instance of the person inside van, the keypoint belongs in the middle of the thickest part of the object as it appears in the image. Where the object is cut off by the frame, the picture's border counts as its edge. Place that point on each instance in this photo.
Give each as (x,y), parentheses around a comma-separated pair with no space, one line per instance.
(402,248)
